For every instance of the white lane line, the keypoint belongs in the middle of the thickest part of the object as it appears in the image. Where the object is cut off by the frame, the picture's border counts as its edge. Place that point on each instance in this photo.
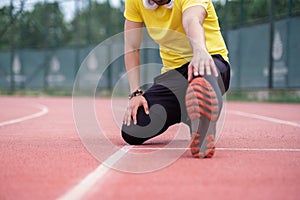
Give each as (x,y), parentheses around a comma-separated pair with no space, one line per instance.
(221,149)
(269,119)
(259,149)
(85,185)
(44,110)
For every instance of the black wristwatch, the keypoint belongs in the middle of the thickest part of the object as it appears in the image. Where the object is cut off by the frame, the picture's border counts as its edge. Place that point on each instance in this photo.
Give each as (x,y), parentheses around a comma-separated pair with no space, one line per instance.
(138,92)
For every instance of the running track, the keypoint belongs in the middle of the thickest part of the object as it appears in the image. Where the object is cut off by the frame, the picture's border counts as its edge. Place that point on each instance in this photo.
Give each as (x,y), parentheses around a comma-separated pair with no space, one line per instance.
(42,157)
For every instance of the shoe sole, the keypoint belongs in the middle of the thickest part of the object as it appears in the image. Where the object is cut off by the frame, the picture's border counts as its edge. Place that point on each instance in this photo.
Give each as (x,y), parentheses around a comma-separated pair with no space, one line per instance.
(201,100)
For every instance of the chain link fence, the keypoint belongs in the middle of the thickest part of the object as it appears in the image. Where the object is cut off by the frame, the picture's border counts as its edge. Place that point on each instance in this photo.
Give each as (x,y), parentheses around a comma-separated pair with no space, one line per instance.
(43,51)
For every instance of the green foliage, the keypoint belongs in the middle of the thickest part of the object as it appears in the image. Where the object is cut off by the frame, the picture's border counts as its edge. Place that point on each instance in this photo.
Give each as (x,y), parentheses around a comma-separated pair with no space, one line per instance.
(256,9)
(95,23)
(45,26)
(238,13)
(5,22)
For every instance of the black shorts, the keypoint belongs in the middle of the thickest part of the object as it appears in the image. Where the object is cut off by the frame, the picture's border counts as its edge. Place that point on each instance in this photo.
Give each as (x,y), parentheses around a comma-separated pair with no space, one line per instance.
(166,101)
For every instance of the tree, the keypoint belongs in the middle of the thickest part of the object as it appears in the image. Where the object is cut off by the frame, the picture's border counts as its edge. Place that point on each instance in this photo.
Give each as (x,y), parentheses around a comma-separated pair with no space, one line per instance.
(238,13)
(44,26)
(5,22)
(95,23)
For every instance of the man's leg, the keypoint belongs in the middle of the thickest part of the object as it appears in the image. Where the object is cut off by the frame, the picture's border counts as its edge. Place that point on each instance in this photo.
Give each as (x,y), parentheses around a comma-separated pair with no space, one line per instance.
(204,105)
(163,99)
(148,126)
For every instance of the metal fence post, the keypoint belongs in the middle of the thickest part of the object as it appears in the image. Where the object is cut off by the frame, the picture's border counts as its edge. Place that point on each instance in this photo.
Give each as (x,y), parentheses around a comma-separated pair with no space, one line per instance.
(240,40)
(271,17)
(12,51)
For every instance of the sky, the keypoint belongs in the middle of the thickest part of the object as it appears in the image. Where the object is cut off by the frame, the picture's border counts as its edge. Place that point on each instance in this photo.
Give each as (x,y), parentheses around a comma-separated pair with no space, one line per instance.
(67,6)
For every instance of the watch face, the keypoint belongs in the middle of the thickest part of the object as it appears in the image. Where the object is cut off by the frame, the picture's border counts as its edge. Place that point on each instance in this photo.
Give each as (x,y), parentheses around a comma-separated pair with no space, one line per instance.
(136,93)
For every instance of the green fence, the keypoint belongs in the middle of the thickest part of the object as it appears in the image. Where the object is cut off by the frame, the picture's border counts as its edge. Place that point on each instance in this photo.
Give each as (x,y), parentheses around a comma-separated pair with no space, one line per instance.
(56,69)
(53,62)
(250,51)
(249,55)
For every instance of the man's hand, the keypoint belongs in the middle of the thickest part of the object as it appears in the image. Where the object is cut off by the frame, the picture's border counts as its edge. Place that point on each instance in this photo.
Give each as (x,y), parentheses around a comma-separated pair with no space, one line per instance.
(131,111)
(201,64)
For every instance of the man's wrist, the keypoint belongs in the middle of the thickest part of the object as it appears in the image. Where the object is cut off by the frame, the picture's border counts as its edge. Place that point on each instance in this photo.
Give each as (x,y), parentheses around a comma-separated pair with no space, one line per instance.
(136,93)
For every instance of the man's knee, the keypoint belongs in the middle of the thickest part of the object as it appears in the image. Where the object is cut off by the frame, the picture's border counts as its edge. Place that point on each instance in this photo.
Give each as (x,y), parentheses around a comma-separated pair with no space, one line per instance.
(148,126)
(131,139)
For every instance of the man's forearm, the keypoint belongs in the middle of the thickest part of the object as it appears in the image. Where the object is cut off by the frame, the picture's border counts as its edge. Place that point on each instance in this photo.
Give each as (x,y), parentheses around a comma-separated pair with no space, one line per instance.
(195,33)
(202,62)
(192,23)
(133,39)
(132,63)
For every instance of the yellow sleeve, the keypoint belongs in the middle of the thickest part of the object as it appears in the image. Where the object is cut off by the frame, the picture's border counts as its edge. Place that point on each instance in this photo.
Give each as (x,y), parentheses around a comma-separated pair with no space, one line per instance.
(190,3)
(132,11)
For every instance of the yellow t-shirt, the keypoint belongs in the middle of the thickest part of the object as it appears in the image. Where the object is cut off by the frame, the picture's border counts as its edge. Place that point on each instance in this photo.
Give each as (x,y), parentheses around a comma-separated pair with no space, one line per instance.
(165,27)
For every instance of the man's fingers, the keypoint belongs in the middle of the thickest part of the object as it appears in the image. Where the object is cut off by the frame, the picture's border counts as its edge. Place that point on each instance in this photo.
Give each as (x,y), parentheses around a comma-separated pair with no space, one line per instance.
(127,118)
(202,71)
(134,112)
(205,70)
(208,71)
(146,108)
(215,71)
(195,70)
(190,72)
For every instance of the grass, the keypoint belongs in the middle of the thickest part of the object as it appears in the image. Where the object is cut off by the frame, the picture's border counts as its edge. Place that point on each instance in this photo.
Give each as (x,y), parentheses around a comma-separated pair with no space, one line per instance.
(274,95)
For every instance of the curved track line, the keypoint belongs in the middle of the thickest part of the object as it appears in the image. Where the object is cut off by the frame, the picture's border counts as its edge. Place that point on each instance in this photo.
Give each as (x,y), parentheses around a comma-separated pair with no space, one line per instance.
(261,117)
(44,110)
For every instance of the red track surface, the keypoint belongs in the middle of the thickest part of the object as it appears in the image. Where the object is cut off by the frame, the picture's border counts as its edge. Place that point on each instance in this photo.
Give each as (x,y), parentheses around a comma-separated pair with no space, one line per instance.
(43,157)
